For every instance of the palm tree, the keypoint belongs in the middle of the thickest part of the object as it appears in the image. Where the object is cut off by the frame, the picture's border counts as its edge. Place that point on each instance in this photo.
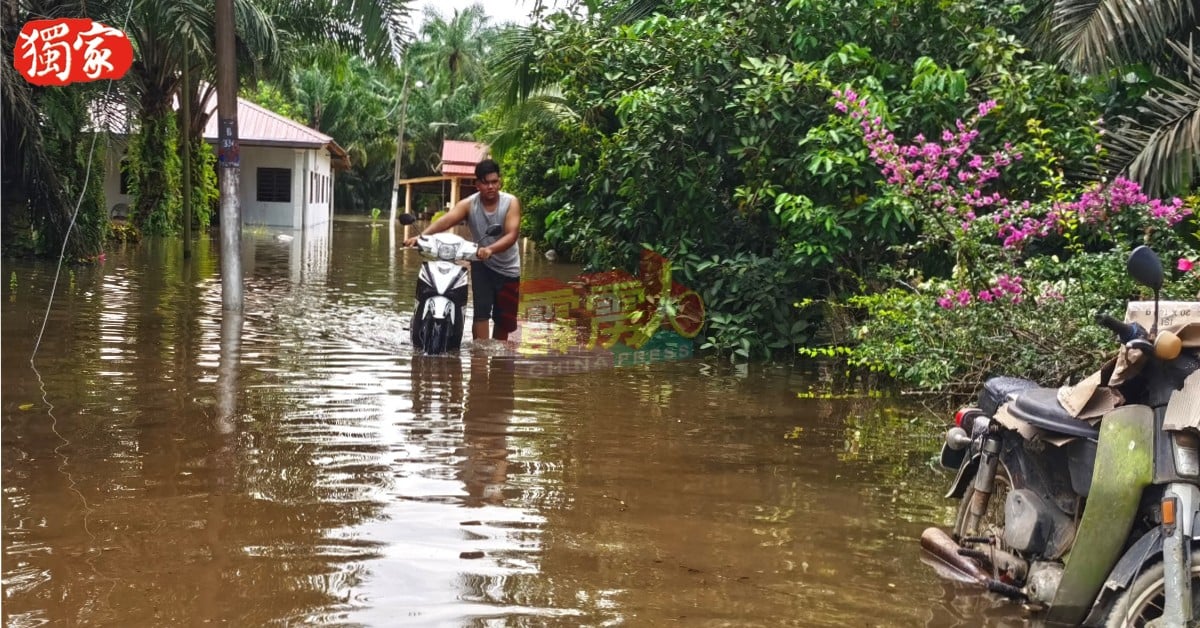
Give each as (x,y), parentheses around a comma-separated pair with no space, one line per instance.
(453,51)
(1159,146)
(528,96)
(51,185)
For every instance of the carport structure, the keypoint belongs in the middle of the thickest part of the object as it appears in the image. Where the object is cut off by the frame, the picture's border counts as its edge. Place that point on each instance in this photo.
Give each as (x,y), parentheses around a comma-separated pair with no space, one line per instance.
(458,168)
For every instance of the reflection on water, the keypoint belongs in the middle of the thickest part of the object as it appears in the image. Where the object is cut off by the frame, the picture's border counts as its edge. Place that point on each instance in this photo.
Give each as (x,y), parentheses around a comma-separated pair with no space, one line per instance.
(298,464)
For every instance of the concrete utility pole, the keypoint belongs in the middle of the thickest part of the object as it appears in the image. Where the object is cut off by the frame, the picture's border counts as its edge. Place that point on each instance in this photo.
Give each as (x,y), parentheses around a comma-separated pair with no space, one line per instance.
(399,152)
(230,172)
(185,100)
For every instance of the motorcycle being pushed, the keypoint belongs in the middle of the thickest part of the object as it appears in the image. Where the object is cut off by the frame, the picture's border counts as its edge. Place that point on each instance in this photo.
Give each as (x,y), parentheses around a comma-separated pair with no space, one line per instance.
(437,322)
(1082,502)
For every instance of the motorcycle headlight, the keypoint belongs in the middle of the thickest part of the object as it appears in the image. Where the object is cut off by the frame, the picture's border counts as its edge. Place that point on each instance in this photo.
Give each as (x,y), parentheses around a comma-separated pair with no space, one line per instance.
(1186,447)
(447,252)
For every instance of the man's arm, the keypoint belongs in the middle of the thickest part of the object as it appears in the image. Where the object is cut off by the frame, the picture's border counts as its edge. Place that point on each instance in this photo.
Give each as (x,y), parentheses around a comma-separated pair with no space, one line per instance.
(512,228)
(457,214)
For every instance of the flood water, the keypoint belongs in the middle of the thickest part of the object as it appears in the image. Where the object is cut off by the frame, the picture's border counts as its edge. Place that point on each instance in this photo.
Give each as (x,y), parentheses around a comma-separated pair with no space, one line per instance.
(166,465)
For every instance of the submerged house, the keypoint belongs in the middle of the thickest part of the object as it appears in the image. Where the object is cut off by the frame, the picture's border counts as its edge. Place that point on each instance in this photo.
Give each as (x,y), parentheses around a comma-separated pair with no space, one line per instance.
(287,170)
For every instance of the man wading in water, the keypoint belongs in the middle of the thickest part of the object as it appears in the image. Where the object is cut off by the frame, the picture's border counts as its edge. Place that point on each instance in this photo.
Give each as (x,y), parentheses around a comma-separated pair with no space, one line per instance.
(495,279)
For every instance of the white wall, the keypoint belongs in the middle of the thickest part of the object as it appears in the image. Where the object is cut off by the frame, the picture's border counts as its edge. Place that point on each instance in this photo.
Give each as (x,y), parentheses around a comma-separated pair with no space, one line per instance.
(312,185)
(112,177)
(311,203)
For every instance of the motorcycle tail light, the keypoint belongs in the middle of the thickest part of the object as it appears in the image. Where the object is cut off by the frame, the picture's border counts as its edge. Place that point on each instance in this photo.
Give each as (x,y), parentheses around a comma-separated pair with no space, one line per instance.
(1186,447)
(964,417)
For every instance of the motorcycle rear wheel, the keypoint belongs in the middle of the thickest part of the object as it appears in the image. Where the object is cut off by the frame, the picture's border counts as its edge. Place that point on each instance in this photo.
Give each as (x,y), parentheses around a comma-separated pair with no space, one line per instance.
(1142,602)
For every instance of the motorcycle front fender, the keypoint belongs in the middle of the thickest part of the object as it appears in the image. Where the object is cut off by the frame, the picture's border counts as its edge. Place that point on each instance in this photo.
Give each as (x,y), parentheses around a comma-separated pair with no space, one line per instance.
(1151,548)
(1140,555)
(1124,468)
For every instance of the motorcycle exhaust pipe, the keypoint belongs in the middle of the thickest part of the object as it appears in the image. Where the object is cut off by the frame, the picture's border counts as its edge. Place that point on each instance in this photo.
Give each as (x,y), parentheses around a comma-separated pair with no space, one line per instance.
(941,546)
(938,543)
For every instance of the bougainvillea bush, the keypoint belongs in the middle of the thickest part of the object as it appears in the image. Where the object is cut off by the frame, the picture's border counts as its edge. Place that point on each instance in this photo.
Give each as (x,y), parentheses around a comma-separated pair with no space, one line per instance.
(1026,279)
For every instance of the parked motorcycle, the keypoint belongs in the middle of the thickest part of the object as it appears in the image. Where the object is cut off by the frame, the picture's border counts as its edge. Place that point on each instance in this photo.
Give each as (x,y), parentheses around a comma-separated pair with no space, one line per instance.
(437,323)
(1083,501)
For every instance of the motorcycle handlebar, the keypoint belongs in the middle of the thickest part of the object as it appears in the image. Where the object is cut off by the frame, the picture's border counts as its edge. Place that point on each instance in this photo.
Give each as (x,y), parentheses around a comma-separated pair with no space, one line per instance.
(1126,332)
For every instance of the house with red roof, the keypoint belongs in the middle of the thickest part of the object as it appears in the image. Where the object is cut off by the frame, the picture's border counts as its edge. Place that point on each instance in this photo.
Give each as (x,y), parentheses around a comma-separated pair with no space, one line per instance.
(287,170)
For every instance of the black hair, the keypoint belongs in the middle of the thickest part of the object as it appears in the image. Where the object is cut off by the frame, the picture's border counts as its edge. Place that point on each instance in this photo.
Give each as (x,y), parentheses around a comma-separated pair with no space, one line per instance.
(486,167)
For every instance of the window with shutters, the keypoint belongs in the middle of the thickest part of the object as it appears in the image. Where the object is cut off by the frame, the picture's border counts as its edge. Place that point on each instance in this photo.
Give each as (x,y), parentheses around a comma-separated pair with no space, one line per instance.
(275,185)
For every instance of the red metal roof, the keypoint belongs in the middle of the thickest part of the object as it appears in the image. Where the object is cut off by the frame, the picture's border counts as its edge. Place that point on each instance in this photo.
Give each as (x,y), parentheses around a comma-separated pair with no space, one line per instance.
(459,158)
(259,126)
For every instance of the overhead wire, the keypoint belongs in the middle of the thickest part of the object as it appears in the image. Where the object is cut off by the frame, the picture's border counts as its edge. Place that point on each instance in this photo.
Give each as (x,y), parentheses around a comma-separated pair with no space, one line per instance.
(75,214)
(72,485)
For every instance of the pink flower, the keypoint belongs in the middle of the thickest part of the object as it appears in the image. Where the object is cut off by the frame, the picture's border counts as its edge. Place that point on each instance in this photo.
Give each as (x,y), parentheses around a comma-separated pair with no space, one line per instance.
(1184,264)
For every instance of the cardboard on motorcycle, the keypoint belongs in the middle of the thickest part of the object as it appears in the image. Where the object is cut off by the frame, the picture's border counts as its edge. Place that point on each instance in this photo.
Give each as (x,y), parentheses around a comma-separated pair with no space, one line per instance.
(1180,317)
(1096,395)
(1183,411)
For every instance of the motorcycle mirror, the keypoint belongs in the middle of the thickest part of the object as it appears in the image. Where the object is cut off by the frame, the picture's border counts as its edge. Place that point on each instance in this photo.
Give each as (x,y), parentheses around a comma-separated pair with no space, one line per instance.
(494,230)
(1167,346)
(1145,267)
(407,219)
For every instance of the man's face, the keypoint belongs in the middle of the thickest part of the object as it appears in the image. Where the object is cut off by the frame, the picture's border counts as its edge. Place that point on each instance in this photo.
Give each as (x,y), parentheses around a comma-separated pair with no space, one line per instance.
(489,187)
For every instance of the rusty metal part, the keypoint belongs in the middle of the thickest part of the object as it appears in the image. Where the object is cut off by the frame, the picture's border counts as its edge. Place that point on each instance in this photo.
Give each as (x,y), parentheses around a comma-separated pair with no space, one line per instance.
(943,547)
(938,543)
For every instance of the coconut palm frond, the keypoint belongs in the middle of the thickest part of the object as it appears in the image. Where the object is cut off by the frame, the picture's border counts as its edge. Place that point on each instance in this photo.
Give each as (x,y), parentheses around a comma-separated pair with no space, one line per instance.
(383,23)
(513,69)
(1093,35)
(636,10)
(377,29)
(258,36)
(546,108)
(1159,149)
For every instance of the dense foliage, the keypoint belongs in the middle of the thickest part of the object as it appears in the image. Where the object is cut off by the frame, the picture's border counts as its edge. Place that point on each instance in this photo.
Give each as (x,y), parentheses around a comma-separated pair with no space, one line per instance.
(711,132)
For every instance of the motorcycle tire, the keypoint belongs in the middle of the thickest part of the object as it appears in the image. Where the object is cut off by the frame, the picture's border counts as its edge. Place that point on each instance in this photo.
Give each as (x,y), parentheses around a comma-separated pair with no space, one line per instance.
(438,338)
(1142,602)
(992,522)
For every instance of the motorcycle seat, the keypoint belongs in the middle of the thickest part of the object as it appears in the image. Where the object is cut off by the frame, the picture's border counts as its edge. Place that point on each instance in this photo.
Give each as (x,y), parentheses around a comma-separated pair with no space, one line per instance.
(1040,408)
(998,391)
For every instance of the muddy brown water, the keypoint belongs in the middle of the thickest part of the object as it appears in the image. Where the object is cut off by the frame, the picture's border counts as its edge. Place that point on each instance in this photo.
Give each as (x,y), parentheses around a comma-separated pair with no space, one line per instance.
(166,465)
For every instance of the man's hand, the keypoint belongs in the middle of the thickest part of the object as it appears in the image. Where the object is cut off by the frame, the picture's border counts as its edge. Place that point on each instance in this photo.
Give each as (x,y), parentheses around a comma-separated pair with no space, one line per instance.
(483,253)
(411,241)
